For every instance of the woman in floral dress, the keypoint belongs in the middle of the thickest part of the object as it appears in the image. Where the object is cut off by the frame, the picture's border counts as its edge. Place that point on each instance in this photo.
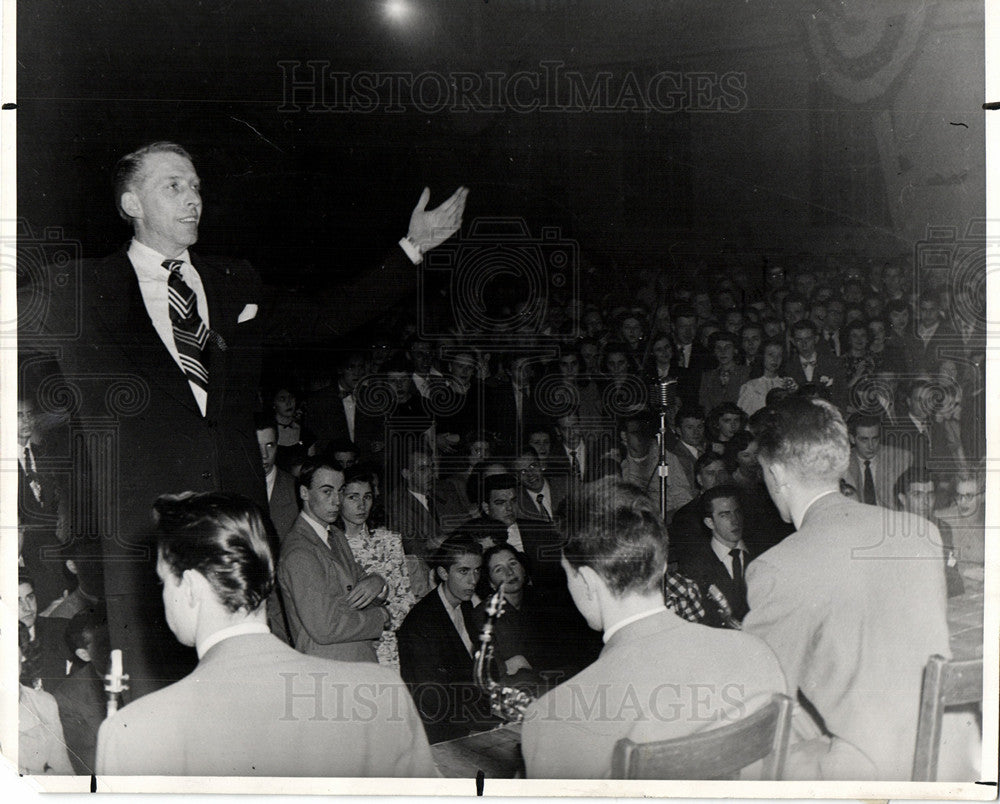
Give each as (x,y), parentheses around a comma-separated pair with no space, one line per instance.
(378,551)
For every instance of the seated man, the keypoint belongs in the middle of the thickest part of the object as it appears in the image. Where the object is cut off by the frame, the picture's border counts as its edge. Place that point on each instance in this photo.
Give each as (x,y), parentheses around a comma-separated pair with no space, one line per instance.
(252,706)
(852,607)
(687,527)
(721,559)
(81,697)
(539,497)
(282,501)
(641,464)
(333,609)
(437,643)
(658,676)
(915,494)
(46,635)
(499,524)
(966,518)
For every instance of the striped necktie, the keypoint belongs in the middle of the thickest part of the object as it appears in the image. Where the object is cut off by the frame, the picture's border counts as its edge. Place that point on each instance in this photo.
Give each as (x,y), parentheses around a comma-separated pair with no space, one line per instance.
(190,332)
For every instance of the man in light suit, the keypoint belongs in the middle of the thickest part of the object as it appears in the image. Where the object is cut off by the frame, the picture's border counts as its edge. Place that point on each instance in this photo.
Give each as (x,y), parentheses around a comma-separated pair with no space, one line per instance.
(874,467)
(851,603)
(333,609)
(159,350)
(658,676)
(252,706)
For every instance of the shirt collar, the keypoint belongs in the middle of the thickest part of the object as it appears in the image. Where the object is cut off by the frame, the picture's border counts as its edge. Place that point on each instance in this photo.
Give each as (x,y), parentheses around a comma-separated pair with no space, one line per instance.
(642,615)
(447,606)
(810,505)
(721,549)
(250,627)
(148,262)
(317,526)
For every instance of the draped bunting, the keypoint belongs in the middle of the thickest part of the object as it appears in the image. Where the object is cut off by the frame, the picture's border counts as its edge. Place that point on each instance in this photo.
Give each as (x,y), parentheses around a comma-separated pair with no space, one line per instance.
(862,47)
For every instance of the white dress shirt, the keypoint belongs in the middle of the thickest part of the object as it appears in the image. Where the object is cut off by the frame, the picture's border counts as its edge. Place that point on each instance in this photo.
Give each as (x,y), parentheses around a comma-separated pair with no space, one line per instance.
(514,537)
(721,550)
(350,409)
(269,478)
(152,276)
(455,612)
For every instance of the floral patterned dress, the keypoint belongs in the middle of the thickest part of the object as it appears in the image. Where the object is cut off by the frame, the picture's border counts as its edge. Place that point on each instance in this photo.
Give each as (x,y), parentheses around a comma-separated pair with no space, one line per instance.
(381,552)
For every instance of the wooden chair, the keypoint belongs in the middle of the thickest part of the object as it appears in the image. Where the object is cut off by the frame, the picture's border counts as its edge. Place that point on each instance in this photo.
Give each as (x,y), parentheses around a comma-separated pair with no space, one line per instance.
(716,754)
(946,683)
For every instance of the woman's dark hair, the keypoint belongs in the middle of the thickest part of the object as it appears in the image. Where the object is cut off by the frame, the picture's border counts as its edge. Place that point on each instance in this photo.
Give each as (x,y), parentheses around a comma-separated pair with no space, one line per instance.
(485,588)
(221,536)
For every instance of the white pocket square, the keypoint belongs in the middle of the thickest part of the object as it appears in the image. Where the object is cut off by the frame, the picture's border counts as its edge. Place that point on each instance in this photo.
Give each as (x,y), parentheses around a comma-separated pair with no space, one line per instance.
(250,311)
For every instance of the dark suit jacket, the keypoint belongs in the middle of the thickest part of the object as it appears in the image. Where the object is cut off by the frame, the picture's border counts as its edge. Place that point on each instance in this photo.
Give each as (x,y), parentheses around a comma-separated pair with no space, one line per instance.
(315,581)
(284,503)
(559,464)
(142,430)
(500,415)
(420,530)
(438,670)
(827,365)
(140,426)
(327,419)
(82,708)
(528,507)
(700,563)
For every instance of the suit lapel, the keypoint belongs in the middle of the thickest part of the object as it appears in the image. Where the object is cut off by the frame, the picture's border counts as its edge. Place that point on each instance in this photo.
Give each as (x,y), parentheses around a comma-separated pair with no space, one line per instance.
(134,332)
(216,349)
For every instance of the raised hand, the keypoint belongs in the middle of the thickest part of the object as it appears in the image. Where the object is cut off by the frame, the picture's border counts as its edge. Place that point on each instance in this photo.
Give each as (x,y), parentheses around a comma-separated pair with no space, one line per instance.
(429,228)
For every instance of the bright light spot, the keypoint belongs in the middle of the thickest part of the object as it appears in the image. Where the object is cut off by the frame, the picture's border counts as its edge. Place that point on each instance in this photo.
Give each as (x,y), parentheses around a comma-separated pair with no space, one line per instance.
(397,9)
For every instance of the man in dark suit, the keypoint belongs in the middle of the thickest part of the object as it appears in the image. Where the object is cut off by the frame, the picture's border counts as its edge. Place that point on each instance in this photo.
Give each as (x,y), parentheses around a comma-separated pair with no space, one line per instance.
(720,560)
(500,524)
(81,697)
(538,496)
(437,643)
(282,498)
(509,408)
(160,350)
(252,706)
(807,364)
(687,527)
(577,454)
(334,609)
(40,511)
(874,467)
(336,414)
(47,634)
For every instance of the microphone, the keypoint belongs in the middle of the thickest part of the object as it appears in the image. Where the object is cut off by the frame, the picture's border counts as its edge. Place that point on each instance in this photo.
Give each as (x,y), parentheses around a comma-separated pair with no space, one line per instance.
(663,394)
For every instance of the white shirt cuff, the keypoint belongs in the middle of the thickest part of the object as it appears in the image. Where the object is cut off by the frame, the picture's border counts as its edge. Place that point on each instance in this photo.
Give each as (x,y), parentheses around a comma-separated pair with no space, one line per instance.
(411,251)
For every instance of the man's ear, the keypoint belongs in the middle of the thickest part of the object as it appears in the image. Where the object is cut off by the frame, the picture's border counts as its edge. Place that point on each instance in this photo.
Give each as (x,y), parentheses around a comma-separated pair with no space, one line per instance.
(82,654)
(303,493)
(131,204)
(485,508)
(708,523)
(193,585)
(441,573)
(902,500)
(591,580)
(71,565)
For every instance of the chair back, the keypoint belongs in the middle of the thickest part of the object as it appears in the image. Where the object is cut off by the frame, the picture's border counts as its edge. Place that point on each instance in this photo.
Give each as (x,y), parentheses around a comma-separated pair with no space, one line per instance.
(946,683)
(715,754)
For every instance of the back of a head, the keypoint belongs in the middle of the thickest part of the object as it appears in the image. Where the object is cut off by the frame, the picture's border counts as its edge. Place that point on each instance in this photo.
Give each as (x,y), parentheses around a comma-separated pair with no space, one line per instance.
(808,436)
(222,537)
(614,529)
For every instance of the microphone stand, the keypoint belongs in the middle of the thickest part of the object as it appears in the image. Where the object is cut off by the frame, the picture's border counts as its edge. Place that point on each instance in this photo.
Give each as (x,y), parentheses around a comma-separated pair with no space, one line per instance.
(664,394)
